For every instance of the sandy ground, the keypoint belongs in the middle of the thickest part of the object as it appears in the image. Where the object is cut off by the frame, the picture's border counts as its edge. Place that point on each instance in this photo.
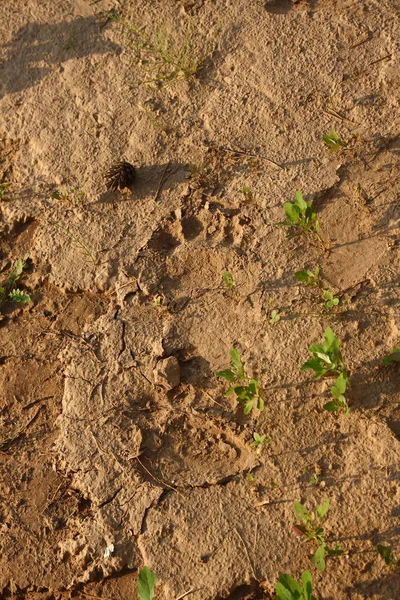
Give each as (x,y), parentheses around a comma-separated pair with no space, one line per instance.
(114,429)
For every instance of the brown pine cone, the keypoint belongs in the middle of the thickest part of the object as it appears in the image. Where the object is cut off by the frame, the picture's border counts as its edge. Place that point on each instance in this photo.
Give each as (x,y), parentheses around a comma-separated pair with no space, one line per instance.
(121,175)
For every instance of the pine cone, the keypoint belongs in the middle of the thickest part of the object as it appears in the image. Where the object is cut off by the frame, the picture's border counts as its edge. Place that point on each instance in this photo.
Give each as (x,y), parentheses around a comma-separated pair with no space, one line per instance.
(120,176)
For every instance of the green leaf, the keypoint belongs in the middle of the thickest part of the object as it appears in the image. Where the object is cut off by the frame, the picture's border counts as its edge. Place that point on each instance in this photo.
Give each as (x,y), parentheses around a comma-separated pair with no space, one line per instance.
(237,363)
(288,584)
(292,212)
(339,387)
(306,580)
(313,364)
(282,593)
(331,406)
(260,404)
(19,296)
(146,584)
(226,374)
(394,356)
(301,512)
(248,406)
(302,276)
(318,560)
(386,553)
(323,508)
(299,201)
(330,337)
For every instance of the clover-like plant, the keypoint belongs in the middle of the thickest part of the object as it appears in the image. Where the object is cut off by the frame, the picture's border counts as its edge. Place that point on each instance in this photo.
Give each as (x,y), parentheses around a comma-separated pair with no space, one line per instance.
(259,441)
(334,141)
(246,388)
(301,215)
(287,588)
(327,358)
(311,529)
(309,278)
(329,299)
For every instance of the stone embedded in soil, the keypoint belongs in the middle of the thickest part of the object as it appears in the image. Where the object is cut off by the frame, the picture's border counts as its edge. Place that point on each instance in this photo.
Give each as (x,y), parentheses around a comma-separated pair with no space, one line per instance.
(167,373)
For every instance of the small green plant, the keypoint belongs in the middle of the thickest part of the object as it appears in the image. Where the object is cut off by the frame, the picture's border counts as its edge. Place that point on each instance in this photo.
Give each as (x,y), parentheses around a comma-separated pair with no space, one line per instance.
(248,194)
(301,215)
(312,279)
(333,141)
(287,588)
(311,529)
(9,291)
(157,301)
(328,360)
(309,278)
(3,188)
(246,388)
(329,299)
(275,316)
(228,280)
(259,441)
(338,390)
(388,556)
(146,584)
(19,296)
(391,358)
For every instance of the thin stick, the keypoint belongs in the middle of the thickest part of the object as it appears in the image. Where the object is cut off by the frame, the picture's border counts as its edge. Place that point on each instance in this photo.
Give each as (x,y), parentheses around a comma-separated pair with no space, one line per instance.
(36,402)
(247,554)
(362,41)
(380,59)
(332,113)
(215,402)
(272,162)
(187,593)
(155,478)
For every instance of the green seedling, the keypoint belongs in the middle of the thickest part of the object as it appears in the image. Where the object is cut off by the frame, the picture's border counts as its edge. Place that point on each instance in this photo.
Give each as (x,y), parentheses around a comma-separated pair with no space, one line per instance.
(259,441)
(329,299)
(311,529)
(19,296)
(333,141)
(275,316)
(228,280)
(247,194)
(287,588)
(392,357)
(157,301)
(309,278)
(3,188)
(246,388)
(9,291)
(302,216)
(250,477)
(328,360)
(338,390)
(388,556)
(146,584)
(314,479)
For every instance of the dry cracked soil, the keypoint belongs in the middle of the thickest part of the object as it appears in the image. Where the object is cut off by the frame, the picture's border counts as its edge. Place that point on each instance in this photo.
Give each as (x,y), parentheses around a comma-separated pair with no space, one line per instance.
(119,447)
